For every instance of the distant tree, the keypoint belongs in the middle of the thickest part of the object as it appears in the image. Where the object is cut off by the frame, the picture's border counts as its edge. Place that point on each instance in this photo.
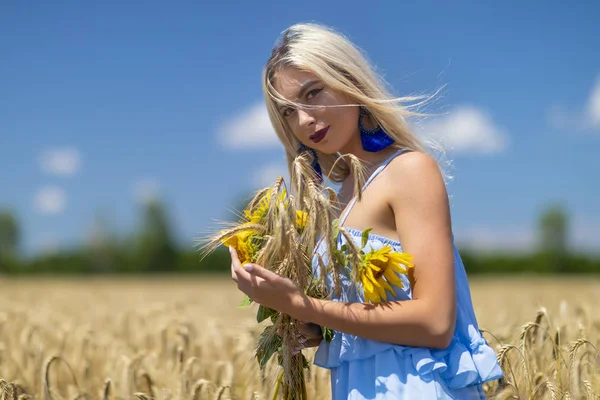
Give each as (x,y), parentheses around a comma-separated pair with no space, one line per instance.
(158,252)
(10,236)
(10,233)
(102,245)
(553,235)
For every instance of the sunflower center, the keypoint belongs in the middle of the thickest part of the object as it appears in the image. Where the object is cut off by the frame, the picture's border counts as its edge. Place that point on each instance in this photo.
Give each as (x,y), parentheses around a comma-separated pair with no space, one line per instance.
(379,274)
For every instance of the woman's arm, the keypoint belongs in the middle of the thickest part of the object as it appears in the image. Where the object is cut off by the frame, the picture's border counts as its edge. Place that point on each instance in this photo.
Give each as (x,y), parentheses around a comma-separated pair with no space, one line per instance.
(418,199)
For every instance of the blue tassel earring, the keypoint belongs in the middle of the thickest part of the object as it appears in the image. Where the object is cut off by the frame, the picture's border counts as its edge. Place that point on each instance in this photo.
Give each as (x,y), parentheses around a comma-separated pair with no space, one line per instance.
(315,162)
(373,140)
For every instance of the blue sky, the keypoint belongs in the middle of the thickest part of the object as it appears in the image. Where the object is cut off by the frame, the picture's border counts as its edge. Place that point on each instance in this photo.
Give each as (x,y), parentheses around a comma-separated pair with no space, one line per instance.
(105,104)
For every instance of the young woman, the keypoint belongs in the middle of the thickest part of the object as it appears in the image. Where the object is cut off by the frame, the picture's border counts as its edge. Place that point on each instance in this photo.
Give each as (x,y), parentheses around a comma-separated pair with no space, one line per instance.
(323,96)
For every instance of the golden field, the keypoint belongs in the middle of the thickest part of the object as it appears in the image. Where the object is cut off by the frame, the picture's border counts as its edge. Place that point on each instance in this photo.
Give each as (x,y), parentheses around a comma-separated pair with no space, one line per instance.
(185,338)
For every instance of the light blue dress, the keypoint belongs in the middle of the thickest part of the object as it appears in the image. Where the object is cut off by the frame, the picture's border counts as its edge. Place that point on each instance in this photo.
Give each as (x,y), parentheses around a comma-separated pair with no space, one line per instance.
(368,369)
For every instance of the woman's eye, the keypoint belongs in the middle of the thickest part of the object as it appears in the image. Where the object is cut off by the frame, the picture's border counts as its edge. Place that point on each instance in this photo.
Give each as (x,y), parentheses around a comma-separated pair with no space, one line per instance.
(313,93)
(288,111)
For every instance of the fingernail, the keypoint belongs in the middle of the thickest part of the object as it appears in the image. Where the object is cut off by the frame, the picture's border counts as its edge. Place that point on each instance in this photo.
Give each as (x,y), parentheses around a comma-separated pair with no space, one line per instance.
(230,249)
(248,267)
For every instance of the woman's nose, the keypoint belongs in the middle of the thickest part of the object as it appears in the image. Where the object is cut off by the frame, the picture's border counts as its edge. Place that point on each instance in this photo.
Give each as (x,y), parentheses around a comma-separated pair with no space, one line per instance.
(305,119)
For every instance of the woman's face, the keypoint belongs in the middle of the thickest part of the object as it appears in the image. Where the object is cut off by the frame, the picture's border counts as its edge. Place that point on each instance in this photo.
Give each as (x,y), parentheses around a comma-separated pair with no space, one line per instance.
(326,129)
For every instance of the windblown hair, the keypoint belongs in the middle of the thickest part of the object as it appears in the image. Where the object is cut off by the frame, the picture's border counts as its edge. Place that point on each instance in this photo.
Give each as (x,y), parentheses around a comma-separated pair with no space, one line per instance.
(270,226)
(341,66)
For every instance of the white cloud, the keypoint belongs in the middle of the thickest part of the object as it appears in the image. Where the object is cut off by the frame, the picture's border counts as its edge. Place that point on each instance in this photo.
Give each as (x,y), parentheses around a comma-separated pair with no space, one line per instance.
(250,129)
(581,120)
(593,106)
(50,200)
(467,129)
(146,190)
(266,175)
(64,162)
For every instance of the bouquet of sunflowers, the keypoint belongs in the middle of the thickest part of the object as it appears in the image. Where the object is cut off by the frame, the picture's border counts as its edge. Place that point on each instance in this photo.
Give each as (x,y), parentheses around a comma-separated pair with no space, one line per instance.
(280,232)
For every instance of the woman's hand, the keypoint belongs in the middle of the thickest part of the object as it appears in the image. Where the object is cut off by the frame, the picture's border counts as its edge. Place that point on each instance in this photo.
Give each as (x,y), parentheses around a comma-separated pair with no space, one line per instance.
(308,335)
(309,330)
(265,287)
(311,335)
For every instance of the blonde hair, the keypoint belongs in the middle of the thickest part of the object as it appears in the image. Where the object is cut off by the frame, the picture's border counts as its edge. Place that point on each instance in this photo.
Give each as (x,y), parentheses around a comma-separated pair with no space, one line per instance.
(341,66)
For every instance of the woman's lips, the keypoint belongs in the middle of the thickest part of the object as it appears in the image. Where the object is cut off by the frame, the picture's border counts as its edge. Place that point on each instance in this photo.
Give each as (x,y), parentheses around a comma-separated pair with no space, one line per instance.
(319,135)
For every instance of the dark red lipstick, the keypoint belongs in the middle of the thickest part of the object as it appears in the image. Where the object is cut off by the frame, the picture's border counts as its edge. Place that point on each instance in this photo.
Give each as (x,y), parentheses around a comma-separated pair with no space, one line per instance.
(319,135)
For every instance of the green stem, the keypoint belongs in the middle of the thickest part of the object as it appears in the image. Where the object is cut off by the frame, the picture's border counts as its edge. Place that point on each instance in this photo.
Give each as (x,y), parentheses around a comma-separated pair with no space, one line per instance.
(278,386)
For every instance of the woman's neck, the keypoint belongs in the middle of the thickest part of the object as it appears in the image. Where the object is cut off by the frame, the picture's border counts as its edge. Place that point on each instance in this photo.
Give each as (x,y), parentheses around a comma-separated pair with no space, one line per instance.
(370,161)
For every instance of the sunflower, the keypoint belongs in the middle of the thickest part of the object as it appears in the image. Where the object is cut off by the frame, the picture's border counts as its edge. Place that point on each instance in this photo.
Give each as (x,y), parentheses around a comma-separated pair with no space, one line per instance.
(259,213)
(379,269)
(301,220)
(244,244)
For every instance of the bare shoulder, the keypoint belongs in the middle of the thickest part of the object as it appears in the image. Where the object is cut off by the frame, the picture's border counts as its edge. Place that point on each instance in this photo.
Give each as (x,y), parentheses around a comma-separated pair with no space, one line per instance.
(414,172)
(416,193)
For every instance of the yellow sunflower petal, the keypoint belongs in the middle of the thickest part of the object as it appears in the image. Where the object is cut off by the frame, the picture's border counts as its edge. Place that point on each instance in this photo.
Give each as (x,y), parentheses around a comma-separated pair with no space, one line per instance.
(381,255)
(374,267)
(381,292)
(301,219)
(243,253)
(241,243)
(374,297)
(371,277)
(370,296)
(402,258)
(386,286)
(385,249)
(393,278)
(373,284)
(282,196)
(399,268)
(378,258)
(230,241)
(367,284)
(245,235)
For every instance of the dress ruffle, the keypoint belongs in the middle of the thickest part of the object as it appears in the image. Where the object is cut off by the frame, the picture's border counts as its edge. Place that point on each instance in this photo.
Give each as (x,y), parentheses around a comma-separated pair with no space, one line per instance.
(468,360)
(459,365)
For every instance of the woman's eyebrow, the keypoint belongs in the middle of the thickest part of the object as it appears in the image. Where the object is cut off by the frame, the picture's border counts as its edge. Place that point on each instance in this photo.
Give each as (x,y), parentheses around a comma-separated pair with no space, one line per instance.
(303,89)
(305,86)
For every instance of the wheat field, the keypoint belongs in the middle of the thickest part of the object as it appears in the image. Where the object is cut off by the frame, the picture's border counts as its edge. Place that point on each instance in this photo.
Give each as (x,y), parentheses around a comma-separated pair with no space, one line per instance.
(185,338)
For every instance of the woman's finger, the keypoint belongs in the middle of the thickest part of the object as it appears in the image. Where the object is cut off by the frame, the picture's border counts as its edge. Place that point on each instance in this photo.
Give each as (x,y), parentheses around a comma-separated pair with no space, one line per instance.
(297,349)
(236,268)
(233,257)
(313,342)
(309,329)
(237,272)
(260,272)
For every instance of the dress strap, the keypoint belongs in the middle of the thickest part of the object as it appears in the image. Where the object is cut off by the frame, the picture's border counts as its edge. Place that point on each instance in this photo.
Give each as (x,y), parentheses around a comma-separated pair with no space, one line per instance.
(373,175)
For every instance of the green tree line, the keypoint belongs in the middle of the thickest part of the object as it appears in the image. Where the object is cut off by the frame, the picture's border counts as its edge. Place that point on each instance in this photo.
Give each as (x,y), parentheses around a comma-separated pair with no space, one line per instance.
(152,249)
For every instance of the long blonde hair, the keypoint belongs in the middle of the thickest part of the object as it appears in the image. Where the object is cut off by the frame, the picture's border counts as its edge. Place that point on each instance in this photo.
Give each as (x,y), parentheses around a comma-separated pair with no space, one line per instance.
(341,66)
